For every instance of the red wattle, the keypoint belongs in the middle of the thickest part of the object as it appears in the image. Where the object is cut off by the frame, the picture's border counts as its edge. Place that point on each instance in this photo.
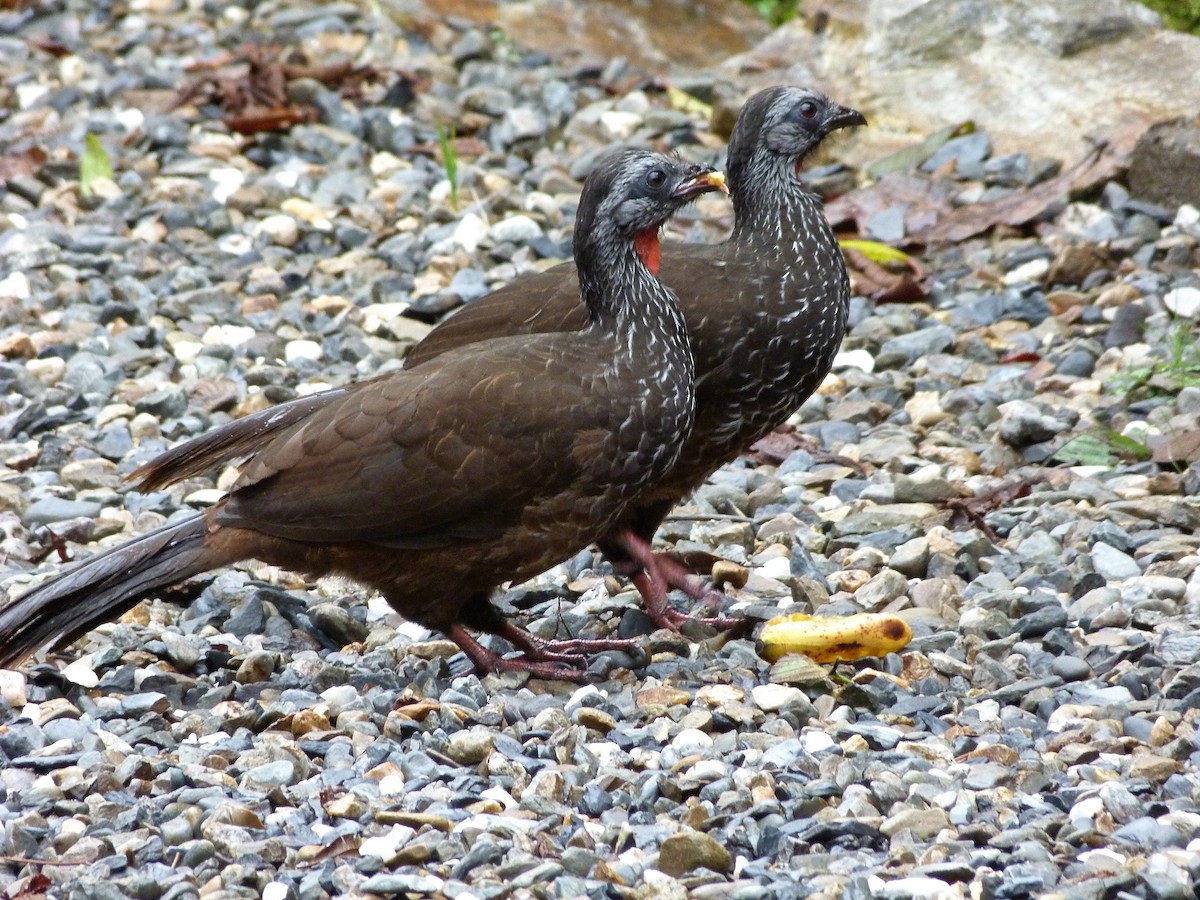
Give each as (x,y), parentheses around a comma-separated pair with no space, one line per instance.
(648,248)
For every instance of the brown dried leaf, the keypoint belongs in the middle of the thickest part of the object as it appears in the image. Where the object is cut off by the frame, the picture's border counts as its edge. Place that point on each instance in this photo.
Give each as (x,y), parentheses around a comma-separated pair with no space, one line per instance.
(36,888)
(969,512)
(26,162)
(869,279)
(280,118)
(774,448)
(49,45)
(923,200)
(1014,210)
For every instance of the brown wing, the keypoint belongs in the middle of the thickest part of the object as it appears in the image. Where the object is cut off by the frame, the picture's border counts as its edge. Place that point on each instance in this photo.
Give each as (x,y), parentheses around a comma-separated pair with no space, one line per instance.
(539,303)
(426,458)
(231,441)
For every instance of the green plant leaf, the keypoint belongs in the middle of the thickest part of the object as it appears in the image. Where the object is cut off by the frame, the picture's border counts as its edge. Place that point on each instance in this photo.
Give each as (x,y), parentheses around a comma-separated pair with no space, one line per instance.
(449,161)
(94,164)
(1085,450)
(1101,447)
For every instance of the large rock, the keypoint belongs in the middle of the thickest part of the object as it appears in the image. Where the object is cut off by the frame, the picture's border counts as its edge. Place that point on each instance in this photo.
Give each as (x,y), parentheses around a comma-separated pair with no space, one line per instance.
(1037,77)
(1165,168)
(665,36)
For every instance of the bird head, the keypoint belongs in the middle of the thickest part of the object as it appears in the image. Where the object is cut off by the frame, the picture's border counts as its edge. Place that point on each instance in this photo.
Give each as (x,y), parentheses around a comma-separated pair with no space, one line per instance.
(788,122)
(633,193)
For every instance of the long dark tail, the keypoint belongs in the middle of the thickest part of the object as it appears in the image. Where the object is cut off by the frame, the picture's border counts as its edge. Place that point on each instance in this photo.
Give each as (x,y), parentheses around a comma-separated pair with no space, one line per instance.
(101,587)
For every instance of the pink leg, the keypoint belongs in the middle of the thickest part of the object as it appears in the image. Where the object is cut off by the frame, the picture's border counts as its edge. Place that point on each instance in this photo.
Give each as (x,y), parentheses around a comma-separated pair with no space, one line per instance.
(563,668)
(660,574)
(565,660)
(569,650)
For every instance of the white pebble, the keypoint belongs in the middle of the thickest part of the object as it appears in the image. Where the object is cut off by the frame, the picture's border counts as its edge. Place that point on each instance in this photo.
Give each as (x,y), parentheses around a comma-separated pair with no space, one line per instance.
(620,125)
(1184,301)
(469,231)
(12,688)
(708,770)
(854,359)
(777,567)
(227,180)
(577,698)
(774,697)
(81,673)
(382,845)
(302,349)
(227,335)
(1187,216)
(817,741)
(280,228)
(15,285)
(1028,273)
(691,739)
(48,371)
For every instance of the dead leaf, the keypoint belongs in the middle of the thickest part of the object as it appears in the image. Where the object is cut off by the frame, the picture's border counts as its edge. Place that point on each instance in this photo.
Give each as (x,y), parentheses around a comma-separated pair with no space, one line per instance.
(26,162)
(882,284)
(279,118)
(923,199)
(969,512)
(1015,210)
(772,449)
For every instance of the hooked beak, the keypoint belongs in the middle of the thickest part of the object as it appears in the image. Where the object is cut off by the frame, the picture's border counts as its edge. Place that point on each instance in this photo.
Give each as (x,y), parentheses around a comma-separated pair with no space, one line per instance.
(843,117)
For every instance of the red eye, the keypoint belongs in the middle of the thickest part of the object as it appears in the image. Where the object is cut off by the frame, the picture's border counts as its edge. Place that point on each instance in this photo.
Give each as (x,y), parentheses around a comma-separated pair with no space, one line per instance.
(807,109)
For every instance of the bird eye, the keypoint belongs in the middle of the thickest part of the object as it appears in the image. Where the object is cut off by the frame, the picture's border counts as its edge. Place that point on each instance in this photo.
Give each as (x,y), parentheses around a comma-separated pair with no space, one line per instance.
(807,109)
(656,178)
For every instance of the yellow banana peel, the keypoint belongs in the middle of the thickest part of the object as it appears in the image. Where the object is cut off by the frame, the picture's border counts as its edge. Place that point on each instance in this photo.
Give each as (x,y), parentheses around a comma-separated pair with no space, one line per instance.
(828,639)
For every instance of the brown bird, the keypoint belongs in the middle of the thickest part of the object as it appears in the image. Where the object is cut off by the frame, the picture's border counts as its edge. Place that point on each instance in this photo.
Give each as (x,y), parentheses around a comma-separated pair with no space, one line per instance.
(765,311)
(435,484)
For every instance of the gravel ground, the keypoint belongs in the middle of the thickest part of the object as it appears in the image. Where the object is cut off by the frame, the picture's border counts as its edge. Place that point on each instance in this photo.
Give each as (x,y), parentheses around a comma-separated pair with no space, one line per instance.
(282,740)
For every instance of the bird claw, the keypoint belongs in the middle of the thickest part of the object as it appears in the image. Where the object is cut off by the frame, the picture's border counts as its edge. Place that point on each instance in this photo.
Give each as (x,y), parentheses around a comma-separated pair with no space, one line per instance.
(661,573)
(563,660)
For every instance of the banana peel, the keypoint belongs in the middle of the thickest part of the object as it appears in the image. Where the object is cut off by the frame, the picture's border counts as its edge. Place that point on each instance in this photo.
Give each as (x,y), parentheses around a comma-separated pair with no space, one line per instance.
(829,639)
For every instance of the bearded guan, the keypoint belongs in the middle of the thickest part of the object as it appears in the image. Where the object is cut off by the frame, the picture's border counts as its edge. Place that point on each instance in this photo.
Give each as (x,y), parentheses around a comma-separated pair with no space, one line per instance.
(435,484)
(765,311)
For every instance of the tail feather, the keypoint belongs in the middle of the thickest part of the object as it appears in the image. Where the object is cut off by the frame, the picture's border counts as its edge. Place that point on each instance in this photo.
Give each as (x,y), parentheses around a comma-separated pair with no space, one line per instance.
(101,587)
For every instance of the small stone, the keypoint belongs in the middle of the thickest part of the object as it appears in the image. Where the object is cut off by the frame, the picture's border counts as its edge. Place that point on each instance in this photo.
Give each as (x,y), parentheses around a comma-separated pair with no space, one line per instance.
(347,806)
(596,719)
(1113,565)
(883,588)
(470,747)
(1180,648)
(339,624)
(1070,668)
(308,720)
(255,667)
(924,824)
(12,688)
(516,229)
(687,850)
(400,884)
(1152,768)
(269,775)
(774,697)
(1184,301)
(280,229)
